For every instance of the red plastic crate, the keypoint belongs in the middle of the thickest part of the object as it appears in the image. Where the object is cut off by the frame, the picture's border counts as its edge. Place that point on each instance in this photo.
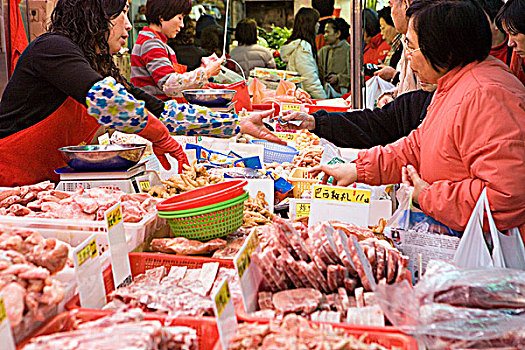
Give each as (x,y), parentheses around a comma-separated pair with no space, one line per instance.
(267,106)
(207,333)
(315,107)
(388,337)
(140,262)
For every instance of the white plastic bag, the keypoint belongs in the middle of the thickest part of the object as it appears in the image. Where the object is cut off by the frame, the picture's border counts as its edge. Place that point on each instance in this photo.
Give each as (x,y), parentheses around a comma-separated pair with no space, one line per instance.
(375,88)
(508,250)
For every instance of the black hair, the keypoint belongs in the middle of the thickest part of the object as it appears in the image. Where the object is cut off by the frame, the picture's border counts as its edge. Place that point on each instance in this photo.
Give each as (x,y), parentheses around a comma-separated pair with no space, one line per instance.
(324,7)
(340,25)
(157,10)
(304,27)
(371,22)
(386,14)
(512,15)
(87,23)
(491,7)
(451,33)
(246,32)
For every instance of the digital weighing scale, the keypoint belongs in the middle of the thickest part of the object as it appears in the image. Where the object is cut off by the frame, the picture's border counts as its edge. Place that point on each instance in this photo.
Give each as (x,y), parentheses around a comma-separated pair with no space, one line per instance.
(133,180)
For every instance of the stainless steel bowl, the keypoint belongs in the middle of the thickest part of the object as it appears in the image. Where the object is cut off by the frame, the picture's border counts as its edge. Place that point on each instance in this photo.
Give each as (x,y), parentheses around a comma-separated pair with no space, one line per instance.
(209,97)
(102,157)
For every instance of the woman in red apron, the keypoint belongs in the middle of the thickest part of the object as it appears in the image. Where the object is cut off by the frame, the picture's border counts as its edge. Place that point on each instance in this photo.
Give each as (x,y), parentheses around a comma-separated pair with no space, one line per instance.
(154,66)
(66,85)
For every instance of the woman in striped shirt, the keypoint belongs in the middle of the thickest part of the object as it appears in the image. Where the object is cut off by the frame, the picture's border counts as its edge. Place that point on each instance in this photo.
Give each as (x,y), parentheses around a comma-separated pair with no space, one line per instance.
(154,66)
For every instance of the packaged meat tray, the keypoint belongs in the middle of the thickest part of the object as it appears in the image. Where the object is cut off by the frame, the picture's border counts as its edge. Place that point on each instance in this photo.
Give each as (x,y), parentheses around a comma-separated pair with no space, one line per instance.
(205,329)
(74,231)
(142,262)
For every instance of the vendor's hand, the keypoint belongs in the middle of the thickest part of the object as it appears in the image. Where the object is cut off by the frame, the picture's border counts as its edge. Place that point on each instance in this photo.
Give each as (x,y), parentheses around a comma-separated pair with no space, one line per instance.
(344,174)
(252,124)
(410,177)
(384,98)
(308,121)
(385,73)
(332,79)
(213,67)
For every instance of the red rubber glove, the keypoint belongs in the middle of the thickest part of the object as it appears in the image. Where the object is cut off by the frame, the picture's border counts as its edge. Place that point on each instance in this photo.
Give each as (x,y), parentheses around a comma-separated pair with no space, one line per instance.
(156,132)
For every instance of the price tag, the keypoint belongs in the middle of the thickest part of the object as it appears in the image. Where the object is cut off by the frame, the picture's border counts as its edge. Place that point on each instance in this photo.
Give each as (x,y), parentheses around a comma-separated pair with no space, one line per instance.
(88,272)
(104,139)
(8,343)
(339,204)
(287,136)
(302,209)
(117,246)
(225,313)
(249,275)
(297,107)
(144,185)
(341,194)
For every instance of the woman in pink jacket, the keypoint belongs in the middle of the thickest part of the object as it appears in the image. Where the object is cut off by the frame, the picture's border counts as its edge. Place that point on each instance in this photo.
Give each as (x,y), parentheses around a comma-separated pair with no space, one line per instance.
(474,133)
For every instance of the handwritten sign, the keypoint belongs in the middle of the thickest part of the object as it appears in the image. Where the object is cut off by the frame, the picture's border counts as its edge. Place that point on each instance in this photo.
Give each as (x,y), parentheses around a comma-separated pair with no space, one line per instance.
(104,139)
(341,194)
(113,216)
(6,335)
(302,210)
(225,313)
(87,252)
(243,258)
(296,107)
(145,185)
(117,246)
(88,272)
(287,136)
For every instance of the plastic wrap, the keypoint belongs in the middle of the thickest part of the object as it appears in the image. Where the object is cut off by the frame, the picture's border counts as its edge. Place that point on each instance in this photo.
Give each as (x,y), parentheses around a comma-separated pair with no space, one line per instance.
(453,308)
(409,217)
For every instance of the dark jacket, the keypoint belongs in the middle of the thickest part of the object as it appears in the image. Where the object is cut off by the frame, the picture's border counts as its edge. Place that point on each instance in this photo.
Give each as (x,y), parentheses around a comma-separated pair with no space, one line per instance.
(368,128)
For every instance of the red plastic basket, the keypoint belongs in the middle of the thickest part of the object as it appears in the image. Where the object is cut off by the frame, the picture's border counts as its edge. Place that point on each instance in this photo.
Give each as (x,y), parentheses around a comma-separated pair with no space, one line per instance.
(267,106)
(207,333)
(388,337)
(140,262)
(203,196)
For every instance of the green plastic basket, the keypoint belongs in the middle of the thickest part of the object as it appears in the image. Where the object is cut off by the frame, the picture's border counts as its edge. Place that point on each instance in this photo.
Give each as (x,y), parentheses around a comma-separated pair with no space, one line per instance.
(205,223)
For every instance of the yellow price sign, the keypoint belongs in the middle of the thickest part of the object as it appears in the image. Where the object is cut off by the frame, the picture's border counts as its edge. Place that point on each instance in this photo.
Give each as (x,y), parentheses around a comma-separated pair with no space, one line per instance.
(302,209)
(114,217)
(347,195)
(222,298)
(3,313)
(290,107)
(286,136)
(245,259)
(104,139)
(88,252)
(145,185)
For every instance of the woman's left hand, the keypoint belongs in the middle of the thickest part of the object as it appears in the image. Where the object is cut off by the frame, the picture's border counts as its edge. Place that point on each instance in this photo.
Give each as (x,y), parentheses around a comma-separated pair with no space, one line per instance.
(212,66)
(253,125)
(343,174)
(410,177)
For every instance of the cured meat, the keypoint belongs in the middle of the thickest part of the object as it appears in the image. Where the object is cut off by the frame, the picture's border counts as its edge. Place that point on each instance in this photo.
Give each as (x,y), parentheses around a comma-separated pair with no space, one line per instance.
(265,301)
(184,246)
(358,265)
(229,250)
(294,300)
(361,233)
(14,296)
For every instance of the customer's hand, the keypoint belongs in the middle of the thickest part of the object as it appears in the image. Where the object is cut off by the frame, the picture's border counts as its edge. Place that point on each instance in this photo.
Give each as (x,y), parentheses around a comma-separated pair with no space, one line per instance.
(212,66)
(385,73)
(253,125)
(343,174)
(307,121)
(410,177)
(332,79)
